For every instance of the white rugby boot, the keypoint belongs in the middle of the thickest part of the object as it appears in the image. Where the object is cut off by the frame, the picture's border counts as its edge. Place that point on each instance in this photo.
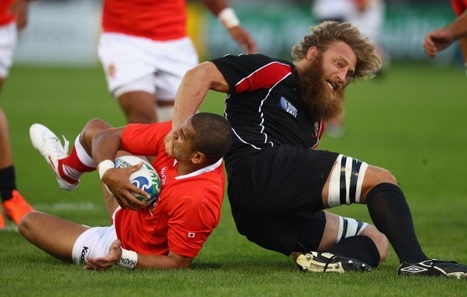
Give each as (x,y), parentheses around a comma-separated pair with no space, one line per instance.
(50,147)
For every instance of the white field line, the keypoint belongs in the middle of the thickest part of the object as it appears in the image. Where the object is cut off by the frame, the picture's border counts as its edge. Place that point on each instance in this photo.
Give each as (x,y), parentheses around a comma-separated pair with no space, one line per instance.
(67,206)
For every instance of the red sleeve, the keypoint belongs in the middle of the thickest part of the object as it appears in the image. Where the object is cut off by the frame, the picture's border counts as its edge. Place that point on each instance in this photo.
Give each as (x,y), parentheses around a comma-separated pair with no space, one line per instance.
(247,73)
(459,6)
(6,16)
(145,139)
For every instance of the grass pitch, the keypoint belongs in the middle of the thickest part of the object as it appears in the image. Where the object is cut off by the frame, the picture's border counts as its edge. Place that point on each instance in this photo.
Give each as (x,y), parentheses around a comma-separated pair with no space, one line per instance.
(411,121)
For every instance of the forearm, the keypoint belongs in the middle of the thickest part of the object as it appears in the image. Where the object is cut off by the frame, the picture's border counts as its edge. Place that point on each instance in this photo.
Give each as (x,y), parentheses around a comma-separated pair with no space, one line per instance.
(216,6)
(133,260)
(162,262)
(105,145)
(458,28)
(194,88)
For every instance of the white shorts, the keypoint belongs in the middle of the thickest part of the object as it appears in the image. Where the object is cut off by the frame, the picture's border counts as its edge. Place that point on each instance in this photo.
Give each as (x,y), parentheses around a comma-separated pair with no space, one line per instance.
(140,64)
(94,242)
(8,40)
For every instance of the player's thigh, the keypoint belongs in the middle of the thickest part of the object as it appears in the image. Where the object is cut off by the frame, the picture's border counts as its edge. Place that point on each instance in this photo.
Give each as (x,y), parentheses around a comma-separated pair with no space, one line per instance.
(93,243)
(125,59)
(350,180)
(138,106)
(175,58)
(52,234)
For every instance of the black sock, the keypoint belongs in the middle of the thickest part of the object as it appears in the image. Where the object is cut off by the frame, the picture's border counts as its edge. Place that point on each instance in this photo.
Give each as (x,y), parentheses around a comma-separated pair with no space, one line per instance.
(358,247)
(391,215)
(7,182)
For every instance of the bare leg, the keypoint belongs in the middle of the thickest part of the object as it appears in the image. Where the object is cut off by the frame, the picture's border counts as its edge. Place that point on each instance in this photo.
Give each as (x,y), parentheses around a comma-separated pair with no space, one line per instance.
(139,107)
(51,234)
(6,158)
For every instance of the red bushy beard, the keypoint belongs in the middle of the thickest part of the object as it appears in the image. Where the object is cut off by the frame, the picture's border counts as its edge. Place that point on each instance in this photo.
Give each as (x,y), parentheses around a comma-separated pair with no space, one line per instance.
(320,102)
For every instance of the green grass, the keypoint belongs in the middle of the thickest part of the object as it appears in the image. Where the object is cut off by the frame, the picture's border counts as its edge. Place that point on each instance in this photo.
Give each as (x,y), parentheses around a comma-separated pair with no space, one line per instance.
(411,121)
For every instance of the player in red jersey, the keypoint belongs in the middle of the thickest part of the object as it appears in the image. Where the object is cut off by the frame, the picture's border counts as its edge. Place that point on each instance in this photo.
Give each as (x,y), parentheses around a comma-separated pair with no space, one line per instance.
(145,51)
(13,17)
(441,38)
(165,235)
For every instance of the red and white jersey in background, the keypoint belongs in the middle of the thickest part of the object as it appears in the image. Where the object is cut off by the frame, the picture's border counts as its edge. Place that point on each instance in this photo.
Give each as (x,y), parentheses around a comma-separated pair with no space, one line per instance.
(5,15)
(157,20)
(189,206)
(459,6)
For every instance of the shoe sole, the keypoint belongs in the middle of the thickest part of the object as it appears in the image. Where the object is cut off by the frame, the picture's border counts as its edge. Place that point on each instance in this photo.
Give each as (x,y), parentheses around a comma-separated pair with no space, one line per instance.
(308,264)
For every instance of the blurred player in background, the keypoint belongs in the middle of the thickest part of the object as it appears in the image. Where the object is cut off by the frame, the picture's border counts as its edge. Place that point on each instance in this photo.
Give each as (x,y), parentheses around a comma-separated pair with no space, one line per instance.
(442,38)
(13,18)
(145,51)
(368,16)
(165,235)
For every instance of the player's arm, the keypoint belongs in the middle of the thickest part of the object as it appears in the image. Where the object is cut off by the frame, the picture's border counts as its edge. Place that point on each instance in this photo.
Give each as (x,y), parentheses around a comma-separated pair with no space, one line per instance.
(458,28)
(227,17)
(105,146)
(133,260)
(20,9)
(441,38)
(194,87)
(171,261)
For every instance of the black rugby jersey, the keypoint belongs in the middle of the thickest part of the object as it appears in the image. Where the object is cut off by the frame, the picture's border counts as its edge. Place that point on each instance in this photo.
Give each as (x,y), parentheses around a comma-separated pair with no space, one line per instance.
(264,106)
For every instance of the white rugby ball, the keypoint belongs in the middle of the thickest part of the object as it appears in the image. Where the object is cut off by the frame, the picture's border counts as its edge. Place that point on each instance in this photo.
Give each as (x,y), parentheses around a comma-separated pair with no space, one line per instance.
(146,178)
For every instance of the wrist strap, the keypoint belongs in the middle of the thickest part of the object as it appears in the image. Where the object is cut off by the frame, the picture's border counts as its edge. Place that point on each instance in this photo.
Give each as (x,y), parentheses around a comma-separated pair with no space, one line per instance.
(128,259)
(228,18)
(104,166)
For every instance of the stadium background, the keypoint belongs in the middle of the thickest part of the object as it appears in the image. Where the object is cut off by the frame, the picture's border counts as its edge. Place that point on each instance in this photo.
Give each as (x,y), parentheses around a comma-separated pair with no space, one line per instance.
(66,32)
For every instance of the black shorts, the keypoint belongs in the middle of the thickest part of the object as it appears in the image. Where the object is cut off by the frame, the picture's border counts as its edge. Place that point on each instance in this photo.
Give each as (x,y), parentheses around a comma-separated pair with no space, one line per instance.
(275,192)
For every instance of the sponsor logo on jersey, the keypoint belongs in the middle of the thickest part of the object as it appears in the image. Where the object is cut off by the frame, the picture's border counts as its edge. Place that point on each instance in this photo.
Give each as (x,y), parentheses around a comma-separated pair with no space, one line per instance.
(163,176)
(84,251)
(287,107)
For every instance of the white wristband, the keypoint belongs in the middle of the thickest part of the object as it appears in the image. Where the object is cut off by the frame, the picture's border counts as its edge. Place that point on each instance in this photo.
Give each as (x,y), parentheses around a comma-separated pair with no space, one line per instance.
(104,166)
(228,18)
(128,259)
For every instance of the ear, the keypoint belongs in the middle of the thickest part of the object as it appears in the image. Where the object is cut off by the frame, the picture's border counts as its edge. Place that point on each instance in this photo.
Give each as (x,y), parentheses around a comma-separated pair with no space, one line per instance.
(312,53)
(198,158)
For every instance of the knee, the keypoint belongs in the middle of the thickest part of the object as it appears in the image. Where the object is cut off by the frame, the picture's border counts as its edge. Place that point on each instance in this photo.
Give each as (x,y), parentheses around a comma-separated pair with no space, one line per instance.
(26,222)
(385,176)
(382,244)
(379,239)
(92,128)
(375,176)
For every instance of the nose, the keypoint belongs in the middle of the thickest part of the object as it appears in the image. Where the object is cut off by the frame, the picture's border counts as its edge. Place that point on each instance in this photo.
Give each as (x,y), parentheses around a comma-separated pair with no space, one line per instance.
(342,76)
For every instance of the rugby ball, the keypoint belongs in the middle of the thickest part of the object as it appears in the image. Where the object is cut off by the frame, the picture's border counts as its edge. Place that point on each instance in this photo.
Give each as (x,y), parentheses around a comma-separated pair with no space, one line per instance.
(145,178)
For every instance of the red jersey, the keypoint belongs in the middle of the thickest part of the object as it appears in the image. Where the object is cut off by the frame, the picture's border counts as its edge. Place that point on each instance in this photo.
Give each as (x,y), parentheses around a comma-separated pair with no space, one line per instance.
(188,208)
(6,16)
(459,6)
(157,20)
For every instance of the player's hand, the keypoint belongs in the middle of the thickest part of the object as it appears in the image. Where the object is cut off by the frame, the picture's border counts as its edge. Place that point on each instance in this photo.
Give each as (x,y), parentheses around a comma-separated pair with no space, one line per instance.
(437,41)
(118,184)
(169,144)
(243,38)
(109,260)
